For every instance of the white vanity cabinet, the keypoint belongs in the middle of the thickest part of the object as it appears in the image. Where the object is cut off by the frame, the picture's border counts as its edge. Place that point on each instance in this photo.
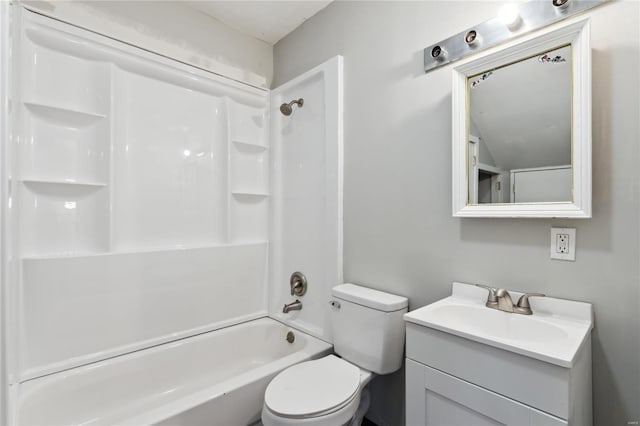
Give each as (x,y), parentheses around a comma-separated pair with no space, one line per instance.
(437,398)
(470,365)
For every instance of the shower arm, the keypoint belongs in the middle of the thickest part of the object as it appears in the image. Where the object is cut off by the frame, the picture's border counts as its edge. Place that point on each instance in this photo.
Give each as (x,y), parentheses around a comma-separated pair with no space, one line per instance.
(298,102)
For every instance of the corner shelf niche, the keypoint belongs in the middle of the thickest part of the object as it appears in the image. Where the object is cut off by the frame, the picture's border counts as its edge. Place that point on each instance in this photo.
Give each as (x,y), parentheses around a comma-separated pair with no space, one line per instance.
(248,217)
(64,162)
(59,78)
(248,174)
(249,169)
(63,217)
(62,145)
(247,124)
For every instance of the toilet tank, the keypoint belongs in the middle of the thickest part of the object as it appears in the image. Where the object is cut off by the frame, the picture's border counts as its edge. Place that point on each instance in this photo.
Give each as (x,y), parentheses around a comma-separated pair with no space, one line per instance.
(367,327)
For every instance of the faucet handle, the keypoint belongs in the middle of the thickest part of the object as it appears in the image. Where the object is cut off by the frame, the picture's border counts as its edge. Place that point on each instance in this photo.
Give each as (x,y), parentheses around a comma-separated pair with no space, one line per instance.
(298,283)
(523,306)
(523,302)
(492,298)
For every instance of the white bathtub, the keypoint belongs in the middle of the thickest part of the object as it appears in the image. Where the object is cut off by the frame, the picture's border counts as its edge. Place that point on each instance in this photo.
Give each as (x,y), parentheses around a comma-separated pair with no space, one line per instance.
(217,378)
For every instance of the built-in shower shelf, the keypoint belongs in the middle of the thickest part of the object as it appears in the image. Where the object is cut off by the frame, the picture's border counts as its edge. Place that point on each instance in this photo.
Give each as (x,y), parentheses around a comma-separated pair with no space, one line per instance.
(66,254)
(254,146)
(72,182)
(63,116)
(259,194)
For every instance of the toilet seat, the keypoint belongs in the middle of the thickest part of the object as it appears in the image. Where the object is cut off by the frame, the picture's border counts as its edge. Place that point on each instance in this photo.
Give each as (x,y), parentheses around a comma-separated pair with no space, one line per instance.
(313,388)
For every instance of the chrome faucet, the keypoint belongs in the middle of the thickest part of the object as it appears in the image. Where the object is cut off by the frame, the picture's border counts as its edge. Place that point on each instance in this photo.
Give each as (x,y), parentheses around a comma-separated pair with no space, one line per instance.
(504,300)
(500,299)
(293,306)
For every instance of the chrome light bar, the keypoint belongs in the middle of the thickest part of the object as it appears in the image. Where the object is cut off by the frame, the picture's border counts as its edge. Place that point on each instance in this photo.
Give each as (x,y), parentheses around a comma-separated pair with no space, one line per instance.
(513,20)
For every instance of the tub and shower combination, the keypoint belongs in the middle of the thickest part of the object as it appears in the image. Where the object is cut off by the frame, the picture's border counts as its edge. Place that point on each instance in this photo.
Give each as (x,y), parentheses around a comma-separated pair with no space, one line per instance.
(155,240)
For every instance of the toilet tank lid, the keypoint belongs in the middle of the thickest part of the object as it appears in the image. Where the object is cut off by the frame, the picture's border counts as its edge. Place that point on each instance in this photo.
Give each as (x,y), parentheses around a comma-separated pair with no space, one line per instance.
(370,298)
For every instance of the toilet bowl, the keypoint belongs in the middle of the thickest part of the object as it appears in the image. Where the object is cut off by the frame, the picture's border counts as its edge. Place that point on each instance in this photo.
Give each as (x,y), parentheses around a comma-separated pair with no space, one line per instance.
(322,392)
(368,335)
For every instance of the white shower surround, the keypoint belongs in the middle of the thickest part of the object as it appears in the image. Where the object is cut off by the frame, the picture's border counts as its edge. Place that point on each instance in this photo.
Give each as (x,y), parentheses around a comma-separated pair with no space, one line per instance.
(140,189)
(130,197)
(306,203)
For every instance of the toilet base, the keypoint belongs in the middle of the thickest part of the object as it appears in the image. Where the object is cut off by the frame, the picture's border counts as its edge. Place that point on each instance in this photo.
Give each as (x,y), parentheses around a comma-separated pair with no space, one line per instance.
(363,407)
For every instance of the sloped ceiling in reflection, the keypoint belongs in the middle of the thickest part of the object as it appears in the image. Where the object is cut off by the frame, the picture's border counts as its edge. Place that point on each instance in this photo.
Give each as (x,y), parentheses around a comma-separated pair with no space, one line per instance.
(522,112)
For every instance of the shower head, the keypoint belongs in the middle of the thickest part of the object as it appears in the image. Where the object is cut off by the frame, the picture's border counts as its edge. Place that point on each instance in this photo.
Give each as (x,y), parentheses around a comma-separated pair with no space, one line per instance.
(287,109)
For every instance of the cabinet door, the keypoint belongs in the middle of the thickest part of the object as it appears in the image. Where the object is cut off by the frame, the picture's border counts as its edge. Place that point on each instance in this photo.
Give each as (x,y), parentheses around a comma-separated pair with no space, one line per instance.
(436,398)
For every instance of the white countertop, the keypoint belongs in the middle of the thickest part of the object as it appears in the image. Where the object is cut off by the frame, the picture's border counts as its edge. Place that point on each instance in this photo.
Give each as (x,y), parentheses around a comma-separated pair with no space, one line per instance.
(554,333)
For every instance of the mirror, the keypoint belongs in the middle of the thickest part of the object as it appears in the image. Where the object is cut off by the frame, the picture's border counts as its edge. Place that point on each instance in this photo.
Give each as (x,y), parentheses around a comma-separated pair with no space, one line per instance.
(522,128)
(520,131)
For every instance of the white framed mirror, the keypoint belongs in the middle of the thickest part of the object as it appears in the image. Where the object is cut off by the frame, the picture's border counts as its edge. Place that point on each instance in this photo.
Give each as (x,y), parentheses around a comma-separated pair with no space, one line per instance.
(522,127)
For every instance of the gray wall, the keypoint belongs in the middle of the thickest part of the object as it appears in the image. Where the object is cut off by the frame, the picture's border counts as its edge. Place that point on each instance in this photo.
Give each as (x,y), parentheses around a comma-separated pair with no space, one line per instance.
(399,233)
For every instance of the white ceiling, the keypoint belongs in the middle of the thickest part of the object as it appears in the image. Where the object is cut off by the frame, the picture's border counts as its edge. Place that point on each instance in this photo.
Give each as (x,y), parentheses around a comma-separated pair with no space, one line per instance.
(266,20)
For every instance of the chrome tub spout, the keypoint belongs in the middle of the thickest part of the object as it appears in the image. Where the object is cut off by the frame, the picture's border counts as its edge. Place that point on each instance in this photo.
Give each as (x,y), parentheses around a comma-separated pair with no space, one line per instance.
(293,306)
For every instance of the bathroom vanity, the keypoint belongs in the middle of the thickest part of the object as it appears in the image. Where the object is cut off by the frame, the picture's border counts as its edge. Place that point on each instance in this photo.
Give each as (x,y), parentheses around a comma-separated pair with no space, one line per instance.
(469,364)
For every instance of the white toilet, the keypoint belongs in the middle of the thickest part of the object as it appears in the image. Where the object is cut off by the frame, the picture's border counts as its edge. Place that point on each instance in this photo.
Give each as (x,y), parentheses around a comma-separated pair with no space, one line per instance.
(368,333)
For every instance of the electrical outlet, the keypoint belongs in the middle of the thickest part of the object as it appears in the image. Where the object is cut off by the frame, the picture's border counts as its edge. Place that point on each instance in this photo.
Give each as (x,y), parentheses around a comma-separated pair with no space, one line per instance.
(563,243)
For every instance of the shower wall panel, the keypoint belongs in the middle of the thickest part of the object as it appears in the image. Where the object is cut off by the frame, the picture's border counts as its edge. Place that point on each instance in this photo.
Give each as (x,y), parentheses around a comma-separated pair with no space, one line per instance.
(78,309)
(141,195)
(306,206)
(170,160)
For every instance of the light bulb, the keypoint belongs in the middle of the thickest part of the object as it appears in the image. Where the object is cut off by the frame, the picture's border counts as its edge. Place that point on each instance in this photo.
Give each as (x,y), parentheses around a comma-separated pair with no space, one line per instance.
(509,15)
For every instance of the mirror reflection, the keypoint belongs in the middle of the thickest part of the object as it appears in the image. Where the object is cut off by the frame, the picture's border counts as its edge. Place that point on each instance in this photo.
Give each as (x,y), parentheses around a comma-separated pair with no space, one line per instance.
(519,148)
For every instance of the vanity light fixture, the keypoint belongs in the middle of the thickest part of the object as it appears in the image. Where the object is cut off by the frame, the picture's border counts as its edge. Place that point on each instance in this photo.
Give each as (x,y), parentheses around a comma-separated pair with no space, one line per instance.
(512,21)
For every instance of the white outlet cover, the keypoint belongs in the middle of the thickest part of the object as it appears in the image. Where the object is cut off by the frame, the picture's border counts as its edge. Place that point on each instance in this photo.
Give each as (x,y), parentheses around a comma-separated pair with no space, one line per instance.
(571,253)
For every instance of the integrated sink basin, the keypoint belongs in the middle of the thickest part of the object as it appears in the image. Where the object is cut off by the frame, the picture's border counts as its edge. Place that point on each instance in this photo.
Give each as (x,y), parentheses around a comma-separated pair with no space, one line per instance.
(501,325)
(554,333)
